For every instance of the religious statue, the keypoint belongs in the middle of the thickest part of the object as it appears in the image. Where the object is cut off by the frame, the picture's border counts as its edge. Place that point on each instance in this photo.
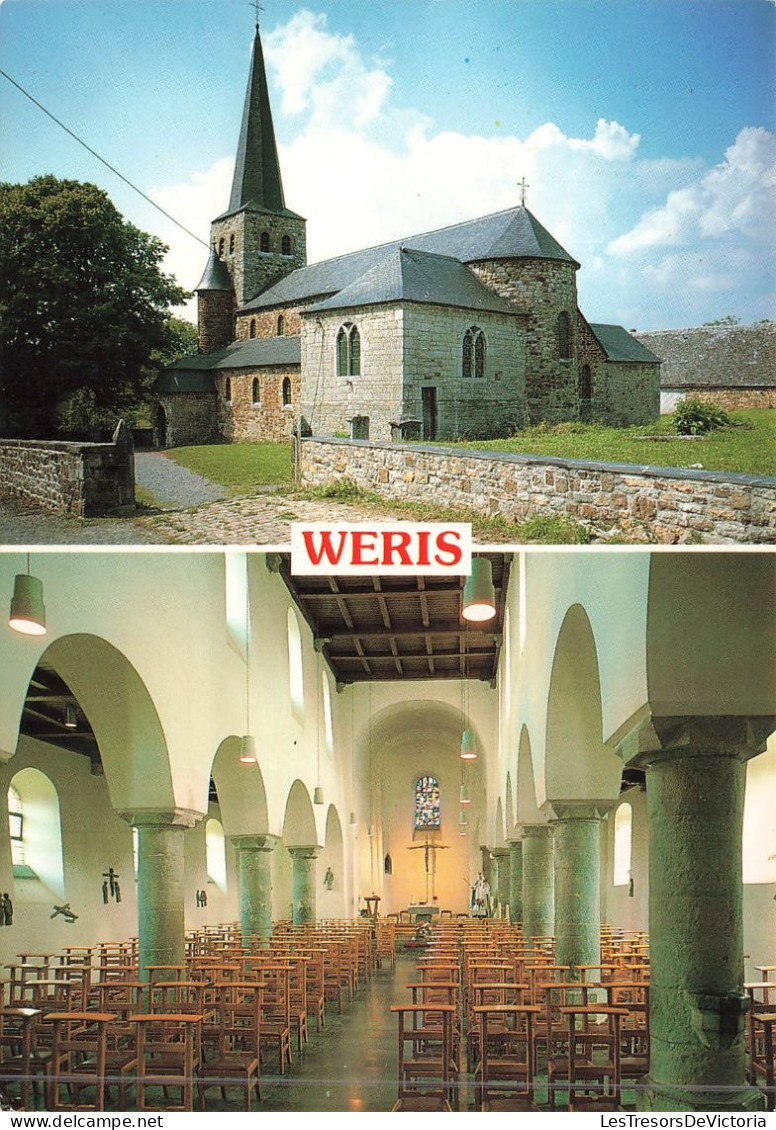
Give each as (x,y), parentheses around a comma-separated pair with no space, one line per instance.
(328,879)
(480,901)
(65,911)
(6,910)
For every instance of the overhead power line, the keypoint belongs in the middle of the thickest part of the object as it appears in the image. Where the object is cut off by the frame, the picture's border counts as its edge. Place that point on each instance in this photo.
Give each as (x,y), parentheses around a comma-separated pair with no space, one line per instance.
(107,164)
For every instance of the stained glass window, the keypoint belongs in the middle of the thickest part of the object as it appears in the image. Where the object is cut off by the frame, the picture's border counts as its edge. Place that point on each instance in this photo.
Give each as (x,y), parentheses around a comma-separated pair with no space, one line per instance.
(427,802)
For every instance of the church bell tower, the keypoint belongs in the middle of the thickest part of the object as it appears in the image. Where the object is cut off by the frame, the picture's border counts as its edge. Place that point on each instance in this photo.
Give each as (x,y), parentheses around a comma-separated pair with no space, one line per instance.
(258,238)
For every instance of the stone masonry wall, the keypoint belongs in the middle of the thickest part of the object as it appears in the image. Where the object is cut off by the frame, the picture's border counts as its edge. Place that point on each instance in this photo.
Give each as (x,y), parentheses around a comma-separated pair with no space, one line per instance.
(328,401)
(243,420)
(80,480)
(250,268)
(190,419)
(626,393)
(649,504)
(736,359)
(433,357)
(215,320)
(266,322)
(541,288)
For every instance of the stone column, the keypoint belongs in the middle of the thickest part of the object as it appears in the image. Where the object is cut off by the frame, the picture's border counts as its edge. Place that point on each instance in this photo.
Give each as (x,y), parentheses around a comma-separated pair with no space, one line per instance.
(487,868)
(695,797)
(304,871)
(254,856)
(538,881)
(160,894)
(516,880)
(501,891)
(578,883)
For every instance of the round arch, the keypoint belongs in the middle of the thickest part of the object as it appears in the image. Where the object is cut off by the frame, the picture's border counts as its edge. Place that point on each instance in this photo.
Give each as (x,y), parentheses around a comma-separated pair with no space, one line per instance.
(331,869)
(242,796)
(577,764)
(123,718)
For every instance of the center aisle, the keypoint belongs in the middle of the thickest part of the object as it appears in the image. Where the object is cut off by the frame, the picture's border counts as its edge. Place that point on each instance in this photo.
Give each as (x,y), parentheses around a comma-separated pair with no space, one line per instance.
(352,1064)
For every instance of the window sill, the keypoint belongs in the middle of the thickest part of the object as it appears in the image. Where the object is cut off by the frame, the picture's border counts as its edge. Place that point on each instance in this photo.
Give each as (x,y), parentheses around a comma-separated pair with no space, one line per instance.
(23,871)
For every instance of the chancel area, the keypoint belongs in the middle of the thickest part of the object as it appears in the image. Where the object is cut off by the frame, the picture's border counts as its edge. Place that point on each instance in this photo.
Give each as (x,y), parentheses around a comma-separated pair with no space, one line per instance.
(308,816)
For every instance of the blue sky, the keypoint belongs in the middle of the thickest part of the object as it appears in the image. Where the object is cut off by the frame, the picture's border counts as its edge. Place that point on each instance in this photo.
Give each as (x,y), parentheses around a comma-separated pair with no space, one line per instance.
(644,129)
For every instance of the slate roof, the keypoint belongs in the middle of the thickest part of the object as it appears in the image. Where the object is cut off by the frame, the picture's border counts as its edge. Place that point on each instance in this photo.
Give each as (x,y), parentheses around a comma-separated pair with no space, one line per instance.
(260,352)
(513,234)
(182,380)
(417,276)
(257,184)
(619,345)
(216,276)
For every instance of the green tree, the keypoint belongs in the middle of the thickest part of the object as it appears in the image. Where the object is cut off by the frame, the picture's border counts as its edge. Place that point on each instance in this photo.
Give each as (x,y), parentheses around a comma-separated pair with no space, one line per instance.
(84,306)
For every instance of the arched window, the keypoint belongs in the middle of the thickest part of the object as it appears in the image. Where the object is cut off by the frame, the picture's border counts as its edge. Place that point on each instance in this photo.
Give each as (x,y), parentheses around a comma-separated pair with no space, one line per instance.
(264,244)
(285,245)
(255,397)
(215,852)
(295,665)
(328,725)
(286,392)
(16,826)
(623,835)
(228,390)
(252,328)
(427,803)
(473,356)
(388,865)
(281,325)
(348,351)
(220,247)
(564,336)
(231,244)
(35,829)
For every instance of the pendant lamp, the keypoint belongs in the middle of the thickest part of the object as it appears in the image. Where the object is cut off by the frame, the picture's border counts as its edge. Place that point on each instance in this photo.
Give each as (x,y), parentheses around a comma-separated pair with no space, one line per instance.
(462,822)
(479,595)
(468,746)
(465,798)
(28,612)
(247,750)
(71,720)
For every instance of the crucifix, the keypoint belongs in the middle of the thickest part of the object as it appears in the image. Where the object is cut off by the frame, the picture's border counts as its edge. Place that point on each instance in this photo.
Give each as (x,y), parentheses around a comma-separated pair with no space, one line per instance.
(521,184)
(429,848)
(257,8)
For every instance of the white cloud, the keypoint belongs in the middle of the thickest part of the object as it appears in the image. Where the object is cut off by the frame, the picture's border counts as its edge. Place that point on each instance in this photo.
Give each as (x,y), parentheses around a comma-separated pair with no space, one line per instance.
(364,170)
(734,196)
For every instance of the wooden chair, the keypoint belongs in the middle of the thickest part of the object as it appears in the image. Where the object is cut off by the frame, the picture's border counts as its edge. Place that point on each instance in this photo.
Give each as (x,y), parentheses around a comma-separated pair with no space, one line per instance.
(166,1057)
(761,1054)
(276,1010)
(426,1076)
(78,1058)
(594,1056)
(504,1076)
(235,1061)
(18,1062)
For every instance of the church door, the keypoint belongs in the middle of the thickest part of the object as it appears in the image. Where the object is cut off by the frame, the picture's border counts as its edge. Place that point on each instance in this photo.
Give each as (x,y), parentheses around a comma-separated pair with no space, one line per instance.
(429,413)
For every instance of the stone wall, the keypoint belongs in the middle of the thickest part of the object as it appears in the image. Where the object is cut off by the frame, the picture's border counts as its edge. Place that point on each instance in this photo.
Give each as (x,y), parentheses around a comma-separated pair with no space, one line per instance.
(328,401)
(237,238)
(649,504)
(626,393)
(472,407)
(81,480)
(733,365)
(542,289)
(215,320)
(266,419)
(189,419)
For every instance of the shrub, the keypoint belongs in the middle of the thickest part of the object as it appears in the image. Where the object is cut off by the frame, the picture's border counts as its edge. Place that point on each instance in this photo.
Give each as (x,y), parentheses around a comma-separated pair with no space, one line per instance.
(695,417)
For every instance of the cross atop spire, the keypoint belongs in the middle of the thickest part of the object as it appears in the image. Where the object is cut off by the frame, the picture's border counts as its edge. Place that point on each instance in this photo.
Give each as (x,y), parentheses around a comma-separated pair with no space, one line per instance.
(522,185)
(257,7)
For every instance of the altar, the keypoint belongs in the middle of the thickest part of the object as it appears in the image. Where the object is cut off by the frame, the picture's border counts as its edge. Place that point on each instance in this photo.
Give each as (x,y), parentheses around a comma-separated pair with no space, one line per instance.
(422,912)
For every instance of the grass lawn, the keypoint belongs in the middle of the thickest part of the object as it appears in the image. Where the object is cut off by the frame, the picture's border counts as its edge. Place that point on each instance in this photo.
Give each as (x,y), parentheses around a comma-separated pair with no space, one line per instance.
(242,468)
(749,447)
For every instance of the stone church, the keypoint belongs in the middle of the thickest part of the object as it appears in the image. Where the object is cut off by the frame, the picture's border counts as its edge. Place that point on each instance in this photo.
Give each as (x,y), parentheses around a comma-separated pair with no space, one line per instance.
(469,331)
(616,789)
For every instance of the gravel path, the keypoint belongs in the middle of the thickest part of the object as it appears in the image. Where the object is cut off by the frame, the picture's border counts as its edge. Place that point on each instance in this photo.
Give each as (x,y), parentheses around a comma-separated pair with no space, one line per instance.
(171,485)
(22,526)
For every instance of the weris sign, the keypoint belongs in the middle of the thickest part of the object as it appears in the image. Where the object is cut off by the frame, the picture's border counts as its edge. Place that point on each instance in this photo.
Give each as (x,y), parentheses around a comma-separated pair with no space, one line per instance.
(376,548)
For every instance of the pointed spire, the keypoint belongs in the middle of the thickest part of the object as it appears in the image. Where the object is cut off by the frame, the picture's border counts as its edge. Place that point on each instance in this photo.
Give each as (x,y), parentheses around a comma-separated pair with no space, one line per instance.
(257,170)
(216,275)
